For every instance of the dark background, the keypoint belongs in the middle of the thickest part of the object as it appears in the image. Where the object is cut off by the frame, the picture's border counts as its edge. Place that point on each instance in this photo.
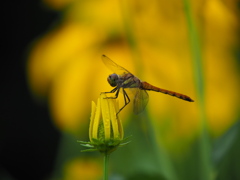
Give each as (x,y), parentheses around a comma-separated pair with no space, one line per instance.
(28,139)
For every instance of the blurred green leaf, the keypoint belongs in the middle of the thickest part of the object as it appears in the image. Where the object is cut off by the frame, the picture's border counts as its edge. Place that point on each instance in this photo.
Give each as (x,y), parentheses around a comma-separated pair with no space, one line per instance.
(224,143)
(143,157)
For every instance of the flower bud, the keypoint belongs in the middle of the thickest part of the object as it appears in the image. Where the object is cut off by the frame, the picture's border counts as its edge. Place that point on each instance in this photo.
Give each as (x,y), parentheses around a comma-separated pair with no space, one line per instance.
(105,130)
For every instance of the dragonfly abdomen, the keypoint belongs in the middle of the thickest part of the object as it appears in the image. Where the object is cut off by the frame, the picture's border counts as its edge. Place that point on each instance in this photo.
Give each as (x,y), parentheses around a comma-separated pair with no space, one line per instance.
(149,87)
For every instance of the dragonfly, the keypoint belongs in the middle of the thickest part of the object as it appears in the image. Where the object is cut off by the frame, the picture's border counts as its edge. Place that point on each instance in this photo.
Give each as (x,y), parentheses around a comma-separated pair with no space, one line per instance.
(123,79)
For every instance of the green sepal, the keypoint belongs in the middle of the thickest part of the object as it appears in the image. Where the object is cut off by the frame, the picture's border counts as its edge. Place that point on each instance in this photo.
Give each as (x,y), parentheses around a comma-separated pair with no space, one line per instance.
(87,145)
(127,138)
(84,142)
(104,146)
(123,144)
(89,150)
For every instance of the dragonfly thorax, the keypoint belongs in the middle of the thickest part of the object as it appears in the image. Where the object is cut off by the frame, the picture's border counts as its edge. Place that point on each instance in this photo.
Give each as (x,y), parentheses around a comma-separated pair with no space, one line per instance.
(113,79)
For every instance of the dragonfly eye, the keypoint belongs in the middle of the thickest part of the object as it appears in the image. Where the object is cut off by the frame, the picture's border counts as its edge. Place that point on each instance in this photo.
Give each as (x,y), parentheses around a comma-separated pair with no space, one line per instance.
(112,79)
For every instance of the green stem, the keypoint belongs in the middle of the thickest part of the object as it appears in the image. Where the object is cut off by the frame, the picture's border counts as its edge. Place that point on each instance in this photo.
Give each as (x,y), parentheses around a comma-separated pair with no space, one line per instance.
(106,161)
(205,148)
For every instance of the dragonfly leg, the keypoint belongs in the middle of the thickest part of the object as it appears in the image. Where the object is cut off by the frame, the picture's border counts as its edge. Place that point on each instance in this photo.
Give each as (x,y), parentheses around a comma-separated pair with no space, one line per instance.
(113,91)
(126,100)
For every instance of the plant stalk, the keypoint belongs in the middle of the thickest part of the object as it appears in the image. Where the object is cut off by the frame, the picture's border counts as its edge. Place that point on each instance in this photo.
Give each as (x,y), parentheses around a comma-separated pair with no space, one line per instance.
(205,147)
(106,162)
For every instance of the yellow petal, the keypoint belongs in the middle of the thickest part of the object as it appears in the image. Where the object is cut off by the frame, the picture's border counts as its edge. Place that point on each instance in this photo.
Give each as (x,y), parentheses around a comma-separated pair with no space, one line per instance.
(119,122)
(113,114)
(93,113)
(106,116)
(96,120)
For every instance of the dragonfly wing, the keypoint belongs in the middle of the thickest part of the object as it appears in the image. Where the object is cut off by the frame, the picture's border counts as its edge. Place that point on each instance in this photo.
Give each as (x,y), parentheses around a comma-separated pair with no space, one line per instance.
(113,66)
(140,101)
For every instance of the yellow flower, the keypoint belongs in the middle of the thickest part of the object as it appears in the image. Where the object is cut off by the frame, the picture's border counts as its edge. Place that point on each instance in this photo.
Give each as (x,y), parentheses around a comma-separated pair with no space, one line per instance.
(105,130)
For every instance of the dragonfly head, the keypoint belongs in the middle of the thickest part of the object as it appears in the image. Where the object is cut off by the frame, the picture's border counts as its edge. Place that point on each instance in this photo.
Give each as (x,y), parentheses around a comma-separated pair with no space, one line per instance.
(113,79)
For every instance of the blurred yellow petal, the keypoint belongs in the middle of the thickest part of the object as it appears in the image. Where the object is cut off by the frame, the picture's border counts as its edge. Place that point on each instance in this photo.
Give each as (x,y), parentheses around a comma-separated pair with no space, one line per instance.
(222,95)
(79,169)
(175,118)
(54,51)
(104,15)
(70,94)
(222,79)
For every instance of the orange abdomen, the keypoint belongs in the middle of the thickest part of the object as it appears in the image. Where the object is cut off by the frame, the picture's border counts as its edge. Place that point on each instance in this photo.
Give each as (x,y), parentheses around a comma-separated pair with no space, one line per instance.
(149,87)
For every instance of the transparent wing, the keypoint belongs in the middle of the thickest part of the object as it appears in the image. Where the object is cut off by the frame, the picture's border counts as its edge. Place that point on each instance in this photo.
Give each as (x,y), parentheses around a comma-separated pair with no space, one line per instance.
(140,100)
(113,66)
